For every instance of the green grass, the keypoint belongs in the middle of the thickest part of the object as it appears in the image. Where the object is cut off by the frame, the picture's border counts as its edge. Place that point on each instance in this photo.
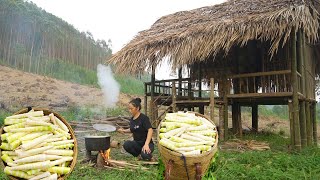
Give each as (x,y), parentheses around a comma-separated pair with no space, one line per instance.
(277,163)
(86,172)
(69,72)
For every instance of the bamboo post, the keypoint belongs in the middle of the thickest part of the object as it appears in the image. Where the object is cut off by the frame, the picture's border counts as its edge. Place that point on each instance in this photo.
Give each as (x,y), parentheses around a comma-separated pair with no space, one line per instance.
(254,115)
(314,122)
(308,121)
(189,92)
(221,122)
(180,82)
(302,112)
(302,118)
(201,107)
(153,78)
(225,110)
(308,111)
(174,97)
(212,99)
(236,119)
(295,100)
(145,99)
(290,106)
(239,121)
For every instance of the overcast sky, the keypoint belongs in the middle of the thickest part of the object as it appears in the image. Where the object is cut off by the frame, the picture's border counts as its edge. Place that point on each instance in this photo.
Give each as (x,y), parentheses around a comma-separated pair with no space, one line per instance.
(117,20)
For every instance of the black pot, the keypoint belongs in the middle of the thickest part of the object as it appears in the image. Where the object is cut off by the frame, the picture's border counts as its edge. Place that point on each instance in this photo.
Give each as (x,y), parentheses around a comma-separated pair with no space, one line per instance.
(97,143)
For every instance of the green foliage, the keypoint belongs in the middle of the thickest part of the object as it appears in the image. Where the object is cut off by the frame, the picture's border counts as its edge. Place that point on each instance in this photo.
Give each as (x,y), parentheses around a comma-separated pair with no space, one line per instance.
(3,115)
(69,72)
(130,85)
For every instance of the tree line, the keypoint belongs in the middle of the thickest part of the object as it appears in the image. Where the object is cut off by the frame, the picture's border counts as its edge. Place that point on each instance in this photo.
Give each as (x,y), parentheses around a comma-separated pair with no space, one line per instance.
(34,40)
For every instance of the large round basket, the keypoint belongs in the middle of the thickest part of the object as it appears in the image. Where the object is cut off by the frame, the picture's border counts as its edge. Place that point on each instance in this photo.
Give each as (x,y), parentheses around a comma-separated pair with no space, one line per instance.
(184,168)
(75,148)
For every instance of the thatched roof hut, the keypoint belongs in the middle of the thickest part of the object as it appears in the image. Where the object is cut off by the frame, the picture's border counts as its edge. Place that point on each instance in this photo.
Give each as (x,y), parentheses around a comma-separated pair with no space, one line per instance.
(192,36)
(256,51)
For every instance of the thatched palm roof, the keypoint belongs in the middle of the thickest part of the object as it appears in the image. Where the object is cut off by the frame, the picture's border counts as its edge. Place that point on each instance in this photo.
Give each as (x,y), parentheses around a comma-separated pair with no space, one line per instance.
(190,36)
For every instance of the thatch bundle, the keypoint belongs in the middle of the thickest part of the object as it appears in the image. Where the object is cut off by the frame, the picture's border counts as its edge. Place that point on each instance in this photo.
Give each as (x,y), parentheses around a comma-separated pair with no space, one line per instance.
(187,37)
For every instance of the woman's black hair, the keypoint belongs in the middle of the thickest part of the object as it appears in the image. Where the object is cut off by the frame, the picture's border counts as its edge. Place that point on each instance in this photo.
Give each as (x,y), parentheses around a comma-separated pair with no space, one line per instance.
(136,103)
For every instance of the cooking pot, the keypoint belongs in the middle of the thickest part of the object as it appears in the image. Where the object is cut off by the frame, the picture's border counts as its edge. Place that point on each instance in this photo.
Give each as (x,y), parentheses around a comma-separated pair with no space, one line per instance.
(97,143)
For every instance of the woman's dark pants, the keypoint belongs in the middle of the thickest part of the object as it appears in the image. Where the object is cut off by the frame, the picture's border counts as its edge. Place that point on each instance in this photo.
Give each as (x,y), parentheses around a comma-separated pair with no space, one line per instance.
(135,148)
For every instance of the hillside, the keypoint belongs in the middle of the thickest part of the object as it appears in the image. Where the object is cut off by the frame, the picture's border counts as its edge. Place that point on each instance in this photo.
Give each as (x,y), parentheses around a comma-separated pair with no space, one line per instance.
(22,89)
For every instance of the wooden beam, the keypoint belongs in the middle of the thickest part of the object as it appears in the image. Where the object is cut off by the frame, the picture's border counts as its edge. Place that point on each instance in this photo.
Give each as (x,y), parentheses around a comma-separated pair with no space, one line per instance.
(212,99)
(301,68)
(268,73)
(295,100)
(254,115)
(251,95)
(168,80)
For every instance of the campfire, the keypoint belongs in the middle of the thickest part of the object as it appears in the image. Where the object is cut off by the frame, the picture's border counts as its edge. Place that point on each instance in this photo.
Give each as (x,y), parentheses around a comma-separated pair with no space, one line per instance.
(106,156)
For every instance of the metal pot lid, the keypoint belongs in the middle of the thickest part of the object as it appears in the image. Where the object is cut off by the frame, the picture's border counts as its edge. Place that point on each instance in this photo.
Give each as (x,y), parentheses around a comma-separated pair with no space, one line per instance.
(93,136)
(104,127)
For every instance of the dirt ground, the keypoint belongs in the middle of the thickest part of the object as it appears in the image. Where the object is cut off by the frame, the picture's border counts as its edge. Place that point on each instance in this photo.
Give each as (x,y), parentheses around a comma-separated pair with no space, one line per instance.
(21,89)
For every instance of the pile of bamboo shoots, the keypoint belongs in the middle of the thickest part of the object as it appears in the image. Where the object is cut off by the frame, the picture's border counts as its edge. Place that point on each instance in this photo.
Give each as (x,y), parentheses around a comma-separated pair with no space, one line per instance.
(187,133)
(35,146)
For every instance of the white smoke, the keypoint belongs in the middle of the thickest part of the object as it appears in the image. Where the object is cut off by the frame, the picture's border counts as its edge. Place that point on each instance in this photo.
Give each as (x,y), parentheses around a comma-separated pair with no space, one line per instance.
(109,85)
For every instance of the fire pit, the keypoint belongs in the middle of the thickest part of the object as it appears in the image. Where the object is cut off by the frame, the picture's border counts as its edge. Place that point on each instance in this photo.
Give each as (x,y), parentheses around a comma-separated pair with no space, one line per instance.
(97,142)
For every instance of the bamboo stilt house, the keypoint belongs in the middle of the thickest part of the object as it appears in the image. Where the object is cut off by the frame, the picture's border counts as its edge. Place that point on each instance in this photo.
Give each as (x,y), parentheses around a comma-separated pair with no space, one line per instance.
(250,52)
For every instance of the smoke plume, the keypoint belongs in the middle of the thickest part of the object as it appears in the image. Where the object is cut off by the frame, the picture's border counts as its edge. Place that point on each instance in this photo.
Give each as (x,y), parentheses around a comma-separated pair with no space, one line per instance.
(109,85)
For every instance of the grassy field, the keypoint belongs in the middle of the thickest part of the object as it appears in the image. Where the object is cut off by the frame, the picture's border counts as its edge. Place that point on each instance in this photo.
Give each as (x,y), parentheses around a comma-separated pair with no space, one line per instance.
(69,72)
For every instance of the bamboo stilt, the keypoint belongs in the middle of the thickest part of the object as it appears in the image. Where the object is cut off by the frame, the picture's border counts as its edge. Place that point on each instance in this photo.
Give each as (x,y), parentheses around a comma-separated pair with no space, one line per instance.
(314,120)
(152,110)
(308,123)
(295,100)
(225,109)
(145,99)
(234,118)
(290,106)
(303,128)
(221,122)
(212,99)
(255,118)
(174,97)
(301,68)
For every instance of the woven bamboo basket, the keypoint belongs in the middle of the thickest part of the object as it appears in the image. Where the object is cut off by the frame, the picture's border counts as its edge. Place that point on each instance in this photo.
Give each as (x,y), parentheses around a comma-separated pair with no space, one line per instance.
(184,168)
(75,148)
